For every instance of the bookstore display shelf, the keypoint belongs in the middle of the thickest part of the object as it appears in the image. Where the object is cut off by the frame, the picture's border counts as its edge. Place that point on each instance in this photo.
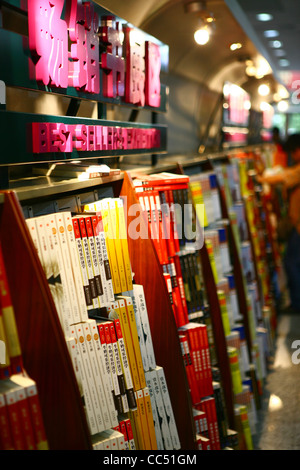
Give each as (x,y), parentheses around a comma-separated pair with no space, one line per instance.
(44,350)
(58,399)
(146,268)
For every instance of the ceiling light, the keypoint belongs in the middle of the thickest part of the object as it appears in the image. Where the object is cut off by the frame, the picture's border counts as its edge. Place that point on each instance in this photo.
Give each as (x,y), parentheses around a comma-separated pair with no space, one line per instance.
(250,71)
(276,44)
(271,33)
(264,89)
(235,46)
(282,106)
(201,36)
(264,17)
(284,63)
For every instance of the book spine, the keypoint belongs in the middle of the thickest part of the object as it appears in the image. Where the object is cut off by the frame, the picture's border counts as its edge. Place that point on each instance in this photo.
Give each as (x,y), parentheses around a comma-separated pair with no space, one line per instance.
(112,204)
(168,407)
(139,294)
(61,234)
(135,340)
(150,419)
(123,430)
(73,253)
(102,340)
(124,242)
(153,384)
(6,439)
(82,263)
(100,259)
(25,419)
(117,392)
(131,441)
(106,260)
(129,344)
(88,261)
(12,343)
(119,370)
(90,395)
(125,364)
(103,372)
(94,259)
(11,401)
(105,422)
(140,331)
(107,225)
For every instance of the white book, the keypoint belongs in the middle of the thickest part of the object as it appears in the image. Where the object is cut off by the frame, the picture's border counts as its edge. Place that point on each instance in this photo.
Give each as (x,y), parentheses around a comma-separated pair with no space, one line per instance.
(112,365)
(104,372)
(86,364)
(88,261)
(69,230)
(106,261)
(168,407)
(153,383)
(95,262)
(96,223)
(138,291)
(82,378)
(118,366)
(158,435)
(140,330)
(38,233)
(61,234)
(66,306)
(82,264)
(96,374)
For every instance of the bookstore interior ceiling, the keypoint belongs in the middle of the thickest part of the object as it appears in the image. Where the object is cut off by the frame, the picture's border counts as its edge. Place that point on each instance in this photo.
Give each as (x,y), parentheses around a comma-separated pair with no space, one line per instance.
(249,38)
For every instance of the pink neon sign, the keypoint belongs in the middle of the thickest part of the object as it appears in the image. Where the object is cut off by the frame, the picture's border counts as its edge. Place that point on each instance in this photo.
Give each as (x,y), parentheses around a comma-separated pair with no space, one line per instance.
(60,137)
(66,52)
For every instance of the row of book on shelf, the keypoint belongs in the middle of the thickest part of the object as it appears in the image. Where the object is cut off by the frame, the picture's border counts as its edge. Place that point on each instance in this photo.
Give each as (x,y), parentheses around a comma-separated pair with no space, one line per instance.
(103,312)
(179,259)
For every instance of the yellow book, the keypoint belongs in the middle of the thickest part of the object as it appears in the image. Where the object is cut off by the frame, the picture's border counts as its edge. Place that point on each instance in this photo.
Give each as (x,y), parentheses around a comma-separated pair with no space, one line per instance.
(235,370)
(143,420)
(122,231)
(135,339)
(212,260)
(103,206)
(136,428)
(122,312)
(150,421)
(224,312)
(117,242)
(198,201)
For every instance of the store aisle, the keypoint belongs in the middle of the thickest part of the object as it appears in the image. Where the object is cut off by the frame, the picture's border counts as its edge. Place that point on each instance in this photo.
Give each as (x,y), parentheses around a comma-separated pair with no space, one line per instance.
(279,417)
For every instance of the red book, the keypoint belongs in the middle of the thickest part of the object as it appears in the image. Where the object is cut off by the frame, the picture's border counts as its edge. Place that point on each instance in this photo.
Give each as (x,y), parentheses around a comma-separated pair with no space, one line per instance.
(123,430)
(190,372)
(181,287)
(6,439)
(7,315)
(208,405)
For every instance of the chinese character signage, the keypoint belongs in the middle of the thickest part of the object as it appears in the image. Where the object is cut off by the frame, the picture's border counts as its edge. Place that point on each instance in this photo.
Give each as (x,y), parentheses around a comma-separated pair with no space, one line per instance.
(79,50)
(71,45)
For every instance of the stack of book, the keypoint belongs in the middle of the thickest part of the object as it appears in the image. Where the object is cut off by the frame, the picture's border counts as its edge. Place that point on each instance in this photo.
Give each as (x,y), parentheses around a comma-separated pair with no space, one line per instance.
(21,420)
(104,318)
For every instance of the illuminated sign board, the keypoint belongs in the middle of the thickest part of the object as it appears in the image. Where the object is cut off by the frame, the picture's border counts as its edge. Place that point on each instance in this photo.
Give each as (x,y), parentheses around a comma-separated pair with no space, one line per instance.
(80,50)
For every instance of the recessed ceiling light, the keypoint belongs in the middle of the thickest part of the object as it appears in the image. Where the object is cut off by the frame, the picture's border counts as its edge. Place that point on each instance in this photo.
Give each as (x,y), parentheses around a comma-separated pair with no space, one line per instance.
(276,44)
(282,106)
(264,89)
(264,17)
(271,33)
(284,63)
(235,45)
